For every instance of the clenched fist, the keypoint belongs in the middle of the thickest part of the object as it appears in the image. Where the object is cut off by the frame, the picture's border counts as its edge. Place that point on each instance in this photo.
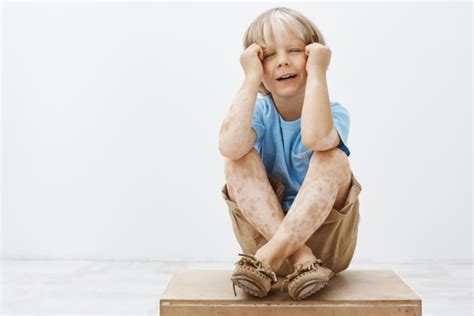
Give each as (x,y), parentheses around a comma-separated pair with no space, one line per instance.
(251,61)
(319,56)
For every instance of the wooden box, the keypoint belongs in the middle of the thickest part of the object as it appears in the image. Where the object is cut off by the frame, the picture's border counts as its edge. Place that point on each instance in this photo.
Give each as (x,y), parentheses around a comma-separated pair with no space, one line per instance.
(349,293)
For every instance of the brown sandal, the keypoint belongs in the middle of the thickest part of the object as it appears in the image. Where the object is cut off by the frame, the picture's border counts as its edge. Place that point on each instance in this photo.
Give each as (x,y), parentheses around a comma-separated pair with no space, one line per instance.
(252,276)
(307,279)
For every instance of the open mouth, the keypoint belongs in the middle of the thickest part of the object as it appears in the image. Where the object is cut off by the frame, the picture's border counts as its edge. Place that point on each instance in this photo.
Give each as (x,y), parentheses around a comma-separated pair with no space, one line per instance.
(286,77)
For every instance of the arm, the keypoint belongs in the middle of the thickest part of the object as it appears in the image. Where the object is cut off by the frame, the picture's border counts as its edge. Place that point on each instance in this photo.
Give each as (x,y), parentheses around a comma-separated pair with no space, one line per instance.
(236,136)
(317,128)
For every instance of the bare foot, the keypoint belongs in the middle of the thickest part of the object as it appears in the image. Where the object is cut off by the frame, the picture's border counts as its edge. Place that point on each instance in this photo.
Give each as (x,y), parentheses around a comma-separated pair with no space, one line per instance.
(267,260)
(303,255)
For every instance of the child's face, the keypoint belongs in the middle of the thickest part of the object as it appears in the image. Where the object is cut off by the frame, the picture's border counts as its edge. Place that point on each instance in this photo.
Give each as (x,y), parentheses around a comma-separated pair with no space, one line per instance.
(286,55)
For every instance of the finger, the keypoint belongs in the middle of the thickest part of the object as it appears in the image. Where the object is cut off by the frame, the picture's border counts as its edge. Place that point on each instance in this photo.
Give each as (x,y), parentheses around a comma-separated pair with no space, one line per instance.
(255,47)
(260,53)
(251,47)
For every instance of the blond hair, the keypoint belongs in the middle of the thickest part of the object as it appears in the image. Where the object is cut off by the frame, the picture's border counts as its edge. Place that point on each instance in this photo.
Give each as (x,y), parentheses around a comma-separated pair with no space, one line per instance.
(282,20)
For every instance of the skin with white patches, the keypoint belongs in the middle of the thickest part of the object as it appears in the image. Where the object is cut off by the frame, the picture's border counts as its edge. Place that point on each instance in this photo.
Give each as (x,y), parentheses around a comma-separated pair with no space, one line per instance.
(326,184)
(264,213)
(330,173)
(327,181)
(236,137)
(330,141)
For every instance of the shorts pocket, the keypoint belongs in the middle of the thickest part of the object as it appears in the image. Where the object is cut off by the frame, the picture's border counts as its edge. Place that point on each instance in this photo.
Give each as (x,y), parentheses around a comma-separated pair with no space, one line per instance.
(225,196)
(351,203)
(249,239)
(338,215)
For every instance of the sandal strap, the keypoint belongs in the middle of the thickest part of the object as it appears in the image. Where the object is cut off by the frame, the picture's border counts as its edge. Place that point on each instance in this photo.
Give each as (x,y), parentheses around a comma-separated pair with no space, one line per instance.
(259,266)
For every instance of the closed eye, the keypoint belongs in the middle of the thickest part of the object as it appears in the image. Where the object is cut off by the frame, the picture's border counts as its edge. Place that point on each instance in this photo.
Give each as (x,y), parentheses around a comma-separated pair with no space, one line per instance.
(293,50)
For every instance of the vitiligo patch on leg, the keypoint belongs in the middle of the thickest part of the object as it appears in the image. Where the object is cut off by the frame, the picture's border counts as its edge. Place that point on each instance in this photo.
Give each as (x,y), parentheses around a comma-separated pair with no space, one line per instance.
(259,204)
(254,195)
(314,201)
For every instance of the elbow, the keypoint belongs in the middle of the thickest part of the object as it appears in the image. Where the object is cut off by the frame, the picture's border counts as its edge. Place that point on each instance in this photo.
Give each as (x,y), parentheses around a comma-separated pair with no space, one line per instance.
(225,150)
(310,145)
(232,155)
(310,142)
(307,144)
(309,136)
(315,143)
(230,152)
(317,140)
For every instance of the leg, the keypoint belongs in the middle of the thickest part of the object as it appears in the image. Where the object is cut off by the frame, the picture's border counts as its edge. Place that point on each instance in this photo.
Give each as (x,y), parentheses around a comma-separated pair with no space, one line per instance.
(248,185)
(326,184)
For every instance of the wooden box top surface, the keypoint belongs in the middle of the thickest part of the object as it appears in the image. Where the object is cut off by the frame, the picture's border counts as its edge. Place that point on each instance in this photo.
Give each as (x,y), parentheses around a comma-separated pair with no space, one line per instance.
(358,286)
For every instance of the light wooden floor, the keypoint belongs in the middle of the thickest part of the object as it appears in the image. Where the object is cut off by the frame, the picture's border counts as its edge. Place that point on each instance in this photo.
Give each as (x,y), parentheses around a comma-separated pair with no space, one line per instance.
(133,288)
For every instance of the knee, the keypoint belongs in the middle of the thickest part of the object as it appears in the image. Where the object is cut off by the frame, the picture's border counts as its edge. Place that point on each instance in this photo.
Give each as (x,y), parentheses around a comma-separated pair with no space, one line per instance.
(333,159)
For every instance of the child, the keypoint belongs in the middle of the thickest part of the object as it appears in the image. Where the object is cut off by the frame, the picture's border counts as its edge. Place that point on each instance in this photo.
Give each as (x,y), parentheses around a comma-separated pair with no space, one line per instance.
(292,197)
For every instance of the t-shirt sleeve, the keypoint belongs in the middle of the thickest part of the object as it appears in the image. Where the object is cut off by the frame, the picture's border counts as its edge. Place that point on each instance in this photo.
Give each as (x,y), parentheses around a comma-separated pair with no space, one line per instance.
(342,121)
(257,122)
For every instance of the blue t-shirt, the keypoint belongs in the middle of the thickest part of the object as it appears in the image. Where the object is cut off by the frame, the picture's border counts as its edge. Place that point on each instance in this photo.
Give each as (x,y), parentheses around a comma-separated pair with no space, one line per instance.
(280,147)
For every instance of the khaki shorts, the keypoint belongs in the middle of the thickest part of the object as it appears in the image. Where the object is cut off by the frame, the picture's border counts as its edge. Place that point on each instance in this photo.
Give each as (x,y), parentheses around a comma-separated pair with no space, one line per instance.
(333,242)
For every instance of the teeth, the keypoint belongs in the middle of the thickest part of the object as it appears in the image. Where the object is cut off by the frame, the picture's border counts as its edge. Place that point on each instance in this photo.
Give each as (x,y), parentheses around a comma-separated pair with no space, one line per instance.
(285,76)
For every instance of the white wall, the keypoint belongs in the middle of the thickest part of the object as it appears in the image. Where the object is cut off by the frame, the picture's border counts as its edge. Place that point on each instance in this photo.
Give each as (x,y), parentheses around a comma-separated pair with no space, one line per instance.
(111,114)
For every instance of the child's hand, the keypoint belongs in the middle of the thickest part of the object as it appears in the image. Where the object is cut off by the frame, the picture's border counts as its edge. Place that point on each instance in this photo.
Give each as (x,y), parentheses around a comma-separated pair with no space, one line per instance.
(319,56)
(251,61)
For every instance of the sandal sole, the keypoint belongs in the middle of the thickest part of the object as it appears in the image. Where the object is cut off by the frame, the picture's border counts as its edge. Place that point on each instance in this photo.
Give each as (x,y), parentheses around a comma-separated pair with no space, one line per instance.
(316,284)
(315,288)
(241,282)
